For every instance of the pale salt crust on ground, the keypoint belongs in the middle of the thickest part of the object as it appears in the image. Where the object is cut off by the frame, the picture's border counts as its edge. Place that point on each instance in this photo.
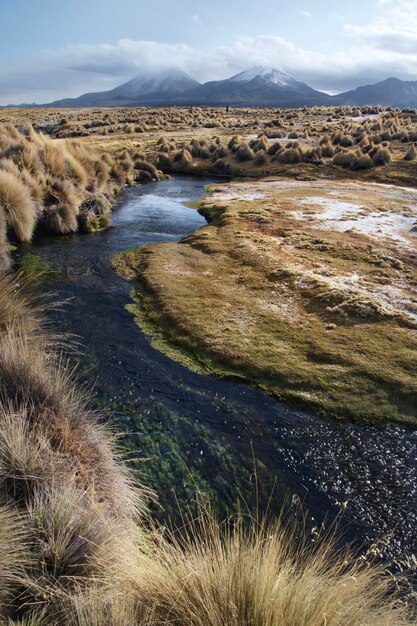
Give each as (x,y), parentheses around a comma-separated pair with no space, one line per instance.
(354,209)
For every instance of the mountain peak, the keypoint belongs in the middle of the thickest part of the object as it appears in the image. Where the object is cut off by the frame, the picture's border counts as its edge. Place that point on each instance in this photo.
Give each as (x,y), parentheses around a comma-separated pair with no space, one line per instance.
(161,72)
(268,74)
(158,81)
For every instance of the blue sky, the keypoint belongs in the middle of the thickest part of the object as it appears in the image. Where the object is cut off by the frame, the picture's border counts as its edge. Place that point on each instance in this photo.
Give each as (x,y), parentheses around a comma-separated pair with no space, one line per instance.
(57,48)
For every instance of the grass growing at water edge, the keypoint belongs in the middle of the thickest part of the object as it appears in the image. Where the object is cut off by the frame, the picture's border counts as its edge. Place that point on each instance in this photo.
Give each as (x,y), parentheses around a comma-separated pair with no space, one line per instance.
(275,300)
(76,549)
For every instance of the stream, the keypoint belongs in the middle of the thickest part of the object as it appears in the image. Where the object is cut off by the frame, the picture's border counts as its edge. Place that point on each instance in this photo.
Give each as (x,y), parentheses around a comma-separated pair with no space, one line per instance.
(183,431)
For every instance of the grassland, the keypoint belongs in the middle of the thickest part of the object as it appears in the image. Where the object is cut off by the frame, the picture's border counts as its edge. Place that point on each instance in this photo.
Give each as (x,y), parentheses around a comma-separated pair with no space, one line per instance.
(375,143)
(304,290)
(247,296)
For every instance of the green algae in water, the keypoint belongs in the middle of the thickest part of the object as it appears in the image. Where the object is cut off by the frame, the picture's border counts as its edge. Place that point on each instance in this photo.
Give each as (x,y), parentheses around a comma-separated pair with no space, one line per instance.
(35,268)
(182,459)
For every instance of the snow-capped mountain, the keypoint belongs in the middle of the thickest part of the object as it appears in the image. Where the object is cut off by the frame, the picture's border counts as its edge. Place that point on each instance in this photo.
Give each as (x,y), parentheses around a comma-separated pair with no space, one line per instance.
(169,81)
(258,86)
(149,87)
(269,74)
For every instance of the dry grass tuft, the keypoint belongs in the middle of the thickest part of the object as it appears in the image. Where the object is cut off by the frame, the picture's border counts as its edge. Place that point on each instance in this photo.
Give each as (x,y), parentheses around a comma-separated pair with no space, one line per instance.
(18,206)
(57,184)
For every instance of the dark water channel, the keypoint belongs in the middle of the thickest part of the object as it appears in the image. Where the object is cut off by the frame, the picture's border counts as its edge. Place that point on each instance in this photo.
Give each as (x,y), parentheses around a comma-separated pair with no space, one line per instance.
(191,431)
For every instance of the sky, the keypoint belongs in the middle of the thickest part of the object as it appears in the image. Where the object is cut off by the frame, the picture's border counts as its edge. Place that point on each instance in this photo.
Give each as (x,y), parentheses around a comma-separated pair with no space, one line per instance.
(52,49)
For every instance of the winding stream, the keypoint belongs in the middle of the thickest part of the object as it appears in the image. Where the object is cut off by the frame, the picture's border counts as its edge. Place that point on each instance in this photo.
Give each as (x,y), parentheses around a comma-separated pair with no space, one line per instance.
(191,429)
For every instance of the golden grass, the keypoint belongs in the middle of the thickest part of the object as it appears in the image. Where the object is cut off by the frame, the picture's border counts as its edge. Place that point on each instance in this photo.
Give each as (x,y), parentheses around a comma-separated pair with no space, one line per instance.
(76,547)
(372,141)
(18,205)
(56,185)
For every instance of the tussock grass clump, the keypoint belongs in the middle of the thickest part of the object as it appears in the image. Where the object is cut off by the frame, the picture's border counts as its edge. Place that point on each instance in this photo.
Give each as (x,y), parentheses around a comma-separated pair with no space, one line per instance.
(274,148)
(57,464)
(244,153)
(260,158)
(290,155)
(48,182)
(265,574)
(18,206)
(222,167)
(381,157)
(145,166)
(61,219)
(182,159)
(411,154)
(353,160)
(45,181)
(164,162)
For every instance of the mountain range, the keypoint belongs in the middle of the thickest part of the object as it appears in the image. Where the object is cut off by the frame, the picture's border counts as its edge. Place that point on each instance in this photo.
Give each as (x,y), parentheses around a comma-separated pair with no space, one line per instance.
(258,86)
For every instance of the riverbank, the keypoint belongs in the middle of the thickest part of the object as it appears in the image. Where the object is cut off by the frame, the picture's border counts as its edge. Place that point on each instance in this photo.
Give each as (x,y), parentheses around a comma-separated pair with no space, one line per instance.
(183,433)
(298,288)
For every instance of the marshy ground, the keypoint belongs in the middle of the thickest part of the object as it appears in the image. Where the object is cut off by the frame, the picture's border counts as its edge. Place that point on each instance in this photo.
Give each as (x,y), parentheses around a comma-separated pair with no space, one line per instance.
(303,288)
(302,283)
(312,276)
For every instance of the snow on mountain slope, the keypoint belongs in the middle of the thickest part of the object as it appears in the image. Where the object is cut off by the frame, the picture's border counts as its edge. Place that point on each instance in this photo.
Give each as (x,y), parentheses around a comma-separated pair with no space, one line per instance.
(269,74)
(171,80)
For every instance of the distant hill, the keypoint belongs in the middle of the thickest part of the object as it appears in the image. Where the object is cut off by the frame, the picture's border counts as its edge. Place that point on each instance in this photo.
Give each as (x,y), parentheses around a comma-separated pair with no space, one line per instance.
(390,92)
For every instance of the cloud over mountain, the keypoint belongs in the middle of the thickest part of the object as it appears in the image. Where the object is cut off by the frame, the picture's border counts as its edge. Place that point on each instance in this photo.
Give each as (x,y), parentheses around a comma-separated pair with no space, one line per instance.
(385,46)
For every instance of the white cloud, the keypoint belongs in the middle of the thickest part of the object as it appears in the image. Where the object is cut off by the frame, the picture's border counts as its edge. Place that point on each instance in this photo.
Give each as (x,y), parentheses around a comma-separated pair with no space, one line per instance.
(393,31)
(305,13)
(195,18)
(386,46)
